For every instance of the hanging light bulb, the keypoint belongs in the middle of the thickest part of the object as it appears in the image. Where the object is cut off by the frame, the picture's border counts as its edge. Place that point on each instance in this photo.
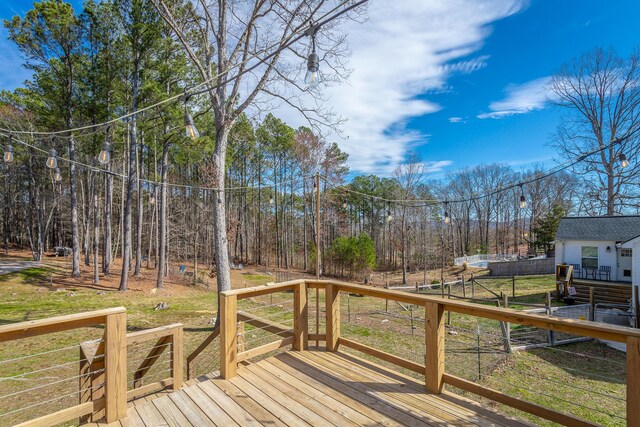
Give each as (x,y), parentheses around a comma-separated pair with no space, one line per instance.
(57,176)
(271,201)
(622,158)
(312,78)
(190,128)
(523,200)
(315,188)
(52,160)
(389,217)
(152,199)
(105,153)
(344,202)
(447,219)
(8,153)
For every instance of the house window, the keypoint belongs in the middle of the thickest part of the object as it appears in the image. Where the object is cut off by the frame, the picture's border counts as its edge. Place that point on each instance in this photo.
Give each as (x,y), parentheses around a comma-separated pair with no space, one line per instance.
(589,257)
(626,273)
(626,252)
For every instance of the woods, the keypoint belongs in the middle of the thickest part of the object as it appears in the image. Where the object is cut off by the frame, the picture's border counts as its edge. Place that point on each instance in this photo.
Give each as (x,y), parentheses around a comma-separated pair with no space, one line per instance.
(239,186)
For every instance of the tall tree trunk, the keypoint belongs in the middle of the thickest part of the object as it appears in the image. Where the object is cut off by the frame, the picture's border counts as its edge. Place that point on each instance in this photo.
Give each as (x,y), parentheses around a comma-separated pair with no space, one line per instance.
(162,216)
(131,181)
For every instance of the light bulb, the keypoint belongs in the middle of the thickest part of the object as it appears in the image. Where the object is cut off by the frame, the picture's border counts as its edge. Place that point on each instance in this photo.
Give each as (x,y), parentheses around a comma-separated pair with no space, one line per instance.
(389,217)
(447,220)
(312,78)
(105,154)
(523,202)
(271,201)
(623,160)
(344,205)
(152,200)
(52,160)
(190,128)
(8,154)
(57,176)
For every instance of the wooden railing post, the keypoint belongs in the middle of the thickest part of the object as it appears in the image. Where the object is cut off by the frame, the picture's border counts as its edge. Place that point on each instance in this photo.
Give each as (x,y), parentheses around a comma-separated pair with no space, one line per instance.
(434,341)
(115,337)
(332,310)
(300,317)
(177,358)
(633,381)
(228,336)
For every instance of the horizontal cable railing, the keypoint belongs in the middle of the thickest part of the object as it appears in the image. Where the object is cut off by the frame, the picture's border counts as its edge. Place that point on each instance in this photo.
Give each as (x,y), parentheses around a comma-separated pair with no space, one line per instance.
(86,370)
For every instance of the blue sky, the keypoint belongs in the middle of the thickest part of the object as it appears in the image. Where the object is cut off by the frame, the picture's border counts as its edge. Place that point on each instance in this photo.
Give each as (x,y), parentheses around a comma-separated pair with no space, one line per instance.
(462,82)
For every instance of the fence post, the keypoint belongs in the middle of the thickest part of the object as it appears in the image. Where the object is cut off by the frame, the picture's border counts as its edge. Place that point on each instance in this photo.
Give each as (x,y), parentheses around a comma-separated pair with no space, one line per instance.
(464,289)
(473,287)
(301,317)
(633,381)
(434,342)
(507,326)
(91,376)
(332,310)
(115,337)
(513,287)
(228,336)
(592,316)
(177,358)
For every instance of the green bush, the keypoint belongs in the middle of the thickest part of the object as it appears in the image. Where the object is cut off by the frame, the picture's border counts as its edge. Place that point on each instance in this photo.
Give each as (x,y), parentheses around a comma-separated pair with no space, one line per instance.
(352,255)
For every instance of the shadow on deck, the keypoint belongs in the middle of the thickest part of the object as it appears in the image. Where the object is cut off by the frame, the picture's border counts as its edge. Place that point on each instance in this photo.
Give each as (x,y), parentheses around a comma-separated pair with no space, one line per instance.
(315,388)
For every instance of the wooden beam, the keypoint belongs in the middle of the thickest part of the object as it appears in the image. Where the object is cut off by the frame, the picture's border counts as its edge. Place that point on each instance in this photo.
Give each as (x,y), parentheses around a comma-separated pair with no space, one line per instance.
(63,415)
(154,333)
(266,324)
(570,326)
(115,367)
(177,358)
(300,318)
(317,337)
(149,388)
(266,348)
(228,335)
(269,288)
(434,342)
(191,372)
(633,382)
(32,328)
(514,402)
(332,311)
(399,361)
(153,356)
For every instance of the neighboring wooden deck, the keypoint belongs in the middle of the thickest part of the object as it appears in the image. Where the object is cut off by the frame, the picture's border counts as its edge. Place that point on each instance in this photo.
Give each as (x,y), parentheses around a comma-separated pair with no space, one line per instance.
(606,292)
(314,388)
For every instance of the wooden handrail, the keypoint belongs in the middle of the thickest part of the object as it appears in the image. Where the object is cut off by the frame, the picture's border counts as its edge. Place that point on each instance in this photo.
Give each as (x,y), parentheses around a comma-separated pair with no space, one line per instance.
(32,328)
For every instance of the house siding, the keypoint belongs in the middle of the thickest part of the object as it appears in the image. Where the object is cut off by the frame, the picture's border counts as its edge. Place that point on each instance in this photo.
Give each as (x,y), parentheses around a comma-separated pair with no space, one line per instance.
(570,252)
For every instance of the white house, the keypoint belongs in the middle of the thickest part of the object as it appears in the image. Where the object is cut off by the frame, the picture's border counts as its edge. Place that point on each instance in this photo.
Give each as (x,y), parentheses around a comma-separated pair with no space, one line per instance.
(597,244)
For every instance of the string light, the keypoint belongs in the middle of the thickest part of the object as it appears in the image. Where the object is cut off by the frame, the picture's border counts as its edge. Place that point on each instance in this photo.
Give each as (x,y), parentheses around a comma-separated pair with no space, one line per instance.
(271,201)
(389,217)
(57,176)
(8,152)
(523,200)
(105,153)
(190,128)
(152,199)
(312,78)
(447,219)
(622,158)
(344,202)
(52,160)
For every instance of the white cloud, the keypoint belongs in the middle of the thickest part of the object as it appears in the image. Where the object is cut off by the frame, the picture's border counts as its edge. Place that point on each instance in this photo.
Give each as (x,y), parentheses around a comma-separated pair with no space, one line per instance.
(434,167)
(404,50)
(521,99)
(456,119)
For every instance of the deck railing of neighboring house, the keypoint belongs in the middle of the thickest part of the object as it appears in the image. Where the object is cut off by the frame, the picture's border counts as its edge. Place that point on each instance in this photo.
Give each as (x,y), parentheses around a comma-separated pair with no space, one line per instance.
(75,377)
(432,367)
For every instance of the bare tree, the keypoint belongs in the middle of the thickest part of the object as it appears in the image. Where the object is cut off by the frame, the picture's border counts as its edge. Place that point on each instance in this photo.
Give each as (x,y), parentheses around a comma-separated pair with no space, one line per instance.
(220,39)
(601,93)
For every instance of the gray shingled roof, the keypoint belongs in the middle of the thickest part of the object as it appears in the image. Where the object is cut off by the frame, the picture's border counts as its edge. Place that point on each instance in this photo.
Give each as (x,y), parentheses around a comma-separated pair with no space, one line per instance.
(613,228)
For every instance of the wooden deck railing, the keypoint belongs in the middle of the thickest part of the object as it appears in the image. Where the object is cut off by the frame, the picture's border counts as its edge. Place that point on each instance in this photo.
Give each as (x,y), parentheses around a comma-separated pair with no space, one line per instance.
(102,375)
(433,369)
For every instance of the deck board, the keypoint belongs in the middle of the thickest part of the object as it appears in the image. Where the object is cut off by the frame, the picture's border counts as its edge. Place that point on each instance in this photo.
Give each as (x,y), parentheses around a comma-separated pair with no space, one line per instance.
(312,388)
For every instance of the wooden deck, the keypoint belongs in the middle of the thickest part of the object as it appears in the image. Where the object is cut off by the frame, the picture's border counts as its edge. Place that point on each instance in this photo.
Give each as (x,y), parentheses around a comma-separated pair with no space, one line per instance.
(315,388)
